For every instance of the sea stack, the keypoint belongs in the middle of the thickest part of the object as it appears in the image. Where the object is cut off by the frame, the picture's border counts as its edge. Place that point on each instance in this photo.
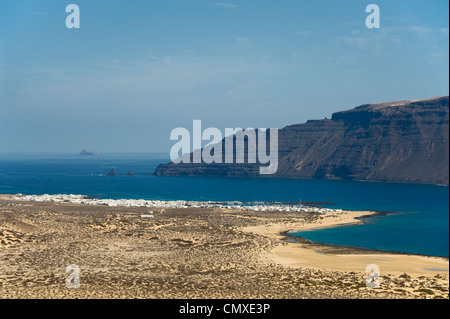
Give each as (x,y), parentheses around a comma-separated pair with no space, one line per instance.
(86,153)
(112,173)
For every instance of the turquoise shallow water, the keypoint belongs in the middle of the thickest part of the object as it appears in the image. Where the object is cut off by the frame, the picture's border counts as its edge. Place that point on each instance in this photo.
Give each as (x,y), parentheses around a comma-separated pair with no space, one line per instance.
(420,224)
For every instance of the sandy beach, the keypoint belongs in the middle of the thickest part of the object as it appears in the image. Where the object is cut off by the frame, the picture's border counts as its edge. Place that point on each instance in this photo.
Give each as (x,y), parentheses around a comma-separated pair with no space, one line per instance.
(194,253)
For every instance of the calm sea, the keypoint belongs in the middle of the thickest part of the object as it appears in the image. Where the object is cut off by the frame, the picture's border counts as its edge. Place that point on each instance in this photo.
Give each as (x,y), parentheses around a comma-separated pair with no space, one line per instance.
(420,225)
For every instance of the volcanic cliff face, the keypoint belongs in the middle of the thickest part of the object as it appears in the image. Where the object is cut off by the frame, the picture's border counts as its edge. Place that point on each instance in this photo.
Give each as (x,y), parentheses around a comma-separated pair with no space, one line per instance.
(405,141)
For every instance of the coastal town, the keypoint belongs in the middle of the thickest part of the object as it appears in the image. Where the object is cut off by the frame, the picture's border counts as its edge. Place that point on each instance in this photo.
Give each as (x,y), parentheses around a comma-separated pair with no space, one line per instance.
(252,206)
(141,252)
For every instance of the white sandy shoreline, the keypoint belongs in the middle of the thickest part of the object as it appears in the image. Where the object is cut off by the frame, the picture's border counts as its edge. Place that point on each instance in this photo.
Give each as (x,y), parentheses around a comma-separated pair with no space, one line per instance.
(301,255)
(332,218)
(296,255)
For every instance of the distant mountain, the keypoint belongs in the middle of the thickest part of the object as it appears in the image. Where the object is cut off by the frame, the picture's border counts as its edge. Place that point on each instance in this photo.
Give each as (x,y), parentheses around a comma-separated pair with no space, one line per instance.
(404,141)
(84,152)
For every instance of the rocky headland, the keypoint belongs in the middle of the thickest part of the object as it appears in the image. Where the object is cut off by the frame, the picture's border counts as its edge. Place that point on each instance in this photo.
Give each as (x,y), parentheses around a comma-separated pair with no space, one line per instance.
(403,141)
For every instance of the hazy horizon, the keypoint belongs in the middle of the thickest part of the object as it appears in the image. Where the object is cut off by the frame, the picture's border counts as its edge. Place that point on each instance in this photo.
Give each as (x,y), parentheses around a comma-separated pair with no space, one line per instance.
(135,71)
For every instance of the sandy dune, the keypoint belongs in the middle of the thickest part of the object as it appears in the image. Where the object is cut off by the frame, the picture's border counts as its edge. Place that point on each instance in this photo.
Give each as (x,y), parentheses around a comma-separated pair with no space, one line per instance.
(193,253)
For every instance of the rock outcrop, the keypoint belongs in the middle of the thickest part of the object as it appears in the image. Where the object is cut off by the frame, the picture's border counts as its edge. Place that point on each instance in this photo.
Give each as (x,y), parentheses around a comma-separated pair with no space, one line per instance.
(406,141)
(112,172)
(84,152)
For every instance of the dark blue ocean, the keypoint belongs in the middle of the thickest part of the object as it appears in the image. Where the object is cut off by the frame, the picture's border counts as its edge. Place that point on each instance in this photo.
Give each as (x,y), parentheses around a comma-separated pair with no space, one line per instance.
(420,224)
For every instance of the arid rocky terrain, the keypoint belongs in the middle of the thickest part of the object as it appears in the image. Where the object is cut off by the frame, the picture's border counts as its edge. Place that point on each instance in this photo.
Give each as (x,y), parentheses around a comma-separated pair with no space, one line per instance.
(181,253)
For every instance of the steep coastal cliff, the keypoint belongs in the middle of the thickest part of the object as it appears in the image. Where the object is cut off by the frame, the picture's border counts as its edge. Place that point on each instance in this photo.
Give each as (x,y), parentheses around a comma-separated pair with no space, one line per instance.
(406,141)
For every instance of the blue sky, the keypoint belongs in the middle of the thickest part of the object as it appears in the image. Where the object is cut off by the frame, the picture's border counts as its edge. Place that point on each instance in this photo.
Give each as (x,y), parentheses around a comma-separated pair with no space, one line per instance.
(137,69)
